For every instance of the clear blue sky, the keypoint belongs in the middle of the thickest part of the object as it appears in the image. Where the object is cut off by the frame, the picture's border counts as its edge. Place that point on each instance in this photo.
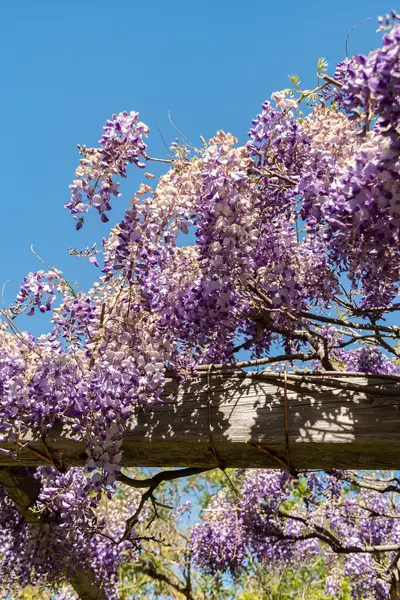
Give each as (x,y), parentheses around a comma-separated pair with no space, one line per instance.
(67,65)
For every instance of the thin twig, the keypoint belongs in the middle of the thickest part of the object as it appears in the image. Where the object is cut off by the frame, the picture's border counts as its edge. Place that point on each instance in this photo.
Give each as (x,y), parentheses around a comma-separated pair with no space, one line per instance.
(327,382)
(33,451)
(180,132)
(160,160)
(153,482)
(213,449)
(286,421)
(350,32)
(302,356)
(269,453)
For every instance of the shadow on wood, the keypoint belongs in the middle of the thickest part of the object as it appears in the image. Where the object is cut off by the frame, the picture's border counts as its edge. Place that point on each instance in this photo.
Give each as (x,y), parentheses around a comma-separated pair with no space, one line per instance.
(328,428)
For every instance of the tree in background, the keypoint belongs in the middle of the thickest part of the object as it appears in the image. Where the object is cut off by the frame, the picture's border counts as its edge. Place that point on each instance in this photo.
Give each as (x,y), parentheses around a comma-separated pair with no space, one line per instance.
(165,566)
(293,258)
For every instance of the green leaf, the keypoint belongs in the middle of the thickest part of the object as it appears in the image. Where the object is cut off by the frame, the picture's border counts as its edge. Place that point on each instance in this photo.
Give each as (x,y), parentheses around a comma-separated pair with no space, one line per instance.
(322,65)
(294,79)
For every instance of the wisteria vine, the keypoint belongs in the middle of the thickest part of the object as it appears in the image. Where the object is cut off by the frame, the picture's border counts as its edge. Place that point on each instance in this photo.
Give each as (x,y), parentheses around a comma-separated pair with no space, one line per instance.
(293,243)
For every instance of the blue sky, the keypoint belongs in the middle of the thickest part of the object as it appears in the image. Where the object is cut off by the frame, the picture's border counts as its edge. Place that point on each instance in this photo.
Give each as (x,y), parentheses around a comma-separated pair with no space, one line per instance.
(66,66)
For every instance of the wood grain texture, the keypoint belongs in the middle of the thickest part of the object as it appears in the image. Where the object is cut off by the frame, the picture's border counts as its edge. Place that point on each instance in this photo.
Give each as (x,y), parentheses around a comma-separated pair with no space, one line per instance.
(328,428)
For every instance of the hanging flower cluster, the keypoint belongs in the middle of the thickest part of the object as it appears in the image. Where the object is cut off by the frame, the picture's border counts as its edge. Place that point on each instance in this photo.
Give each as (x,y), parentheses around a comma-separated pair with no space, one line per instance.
(121,144)
(283,521)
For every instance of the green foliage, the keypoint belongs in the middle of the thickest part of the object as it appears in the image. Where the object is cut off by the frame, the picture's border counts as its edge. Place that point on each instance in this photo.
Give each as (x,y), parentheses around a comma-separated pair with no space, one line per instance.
(291,582)
(295,79)
(322,66)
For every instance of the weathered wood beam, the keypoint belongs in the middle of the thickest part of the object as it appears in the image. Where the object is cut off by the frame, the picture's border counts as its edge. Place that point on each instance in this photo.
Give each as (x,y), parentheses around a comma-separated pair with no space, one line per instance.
(327,428)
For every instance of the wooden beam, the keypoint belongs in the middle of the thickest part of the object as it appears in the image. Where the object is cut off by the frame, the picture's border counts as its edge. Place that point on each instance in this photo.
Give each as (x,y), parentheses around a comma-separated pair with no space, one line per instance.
(209,420)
